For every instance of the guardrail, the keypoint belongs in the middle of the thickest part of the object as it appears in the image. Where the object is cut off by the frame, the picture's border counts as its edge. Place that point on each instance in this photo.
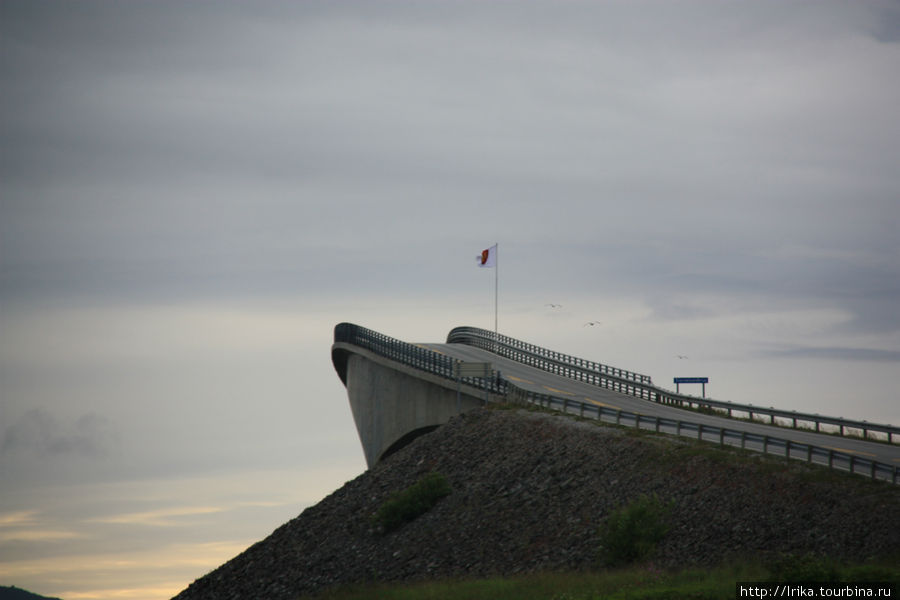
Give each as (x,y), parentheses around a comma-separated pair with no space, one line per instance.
(442,365)
(413,356)
(845,427)
(548,360)
(766,444)
(640,386)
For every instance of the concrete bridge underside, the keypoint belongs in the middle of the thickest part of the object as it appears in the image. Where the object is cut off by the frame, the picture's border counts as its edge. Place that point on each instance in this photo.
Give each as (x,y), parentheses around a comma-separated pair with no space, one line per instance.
(392,404)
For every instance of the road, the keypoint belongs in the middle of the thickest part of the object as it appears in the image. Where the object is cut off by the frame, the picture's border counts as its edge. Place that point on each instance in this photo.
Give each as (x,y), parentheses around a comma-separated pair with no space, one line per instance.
(542,382)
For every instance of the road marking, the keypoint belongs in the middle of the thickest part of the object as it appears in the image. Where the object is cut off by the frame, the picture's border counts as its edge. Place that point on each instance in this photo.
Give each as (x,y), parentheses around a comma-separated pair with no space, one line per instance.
(424,347)
(852,451)
(519,379)
(603,404)
(556,391)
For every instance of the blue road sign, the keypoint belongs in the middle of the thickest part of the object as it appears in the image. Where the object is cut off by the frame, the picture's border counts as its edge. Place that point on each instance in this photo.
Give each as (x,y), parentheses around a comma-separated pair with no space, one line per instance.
(680,380)
(691,380)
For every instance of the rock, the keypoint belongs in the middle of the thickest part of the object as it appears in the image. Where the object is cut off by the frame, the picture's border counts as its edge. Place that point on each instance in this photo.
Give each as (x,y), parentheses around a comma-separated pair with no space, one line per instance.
(529,492)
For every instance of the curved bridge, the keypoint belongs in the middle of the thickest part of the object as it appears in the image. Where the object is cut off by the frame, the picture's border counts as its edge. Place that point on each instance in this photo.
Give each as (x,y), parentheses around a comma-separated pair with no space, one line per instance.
(399,390)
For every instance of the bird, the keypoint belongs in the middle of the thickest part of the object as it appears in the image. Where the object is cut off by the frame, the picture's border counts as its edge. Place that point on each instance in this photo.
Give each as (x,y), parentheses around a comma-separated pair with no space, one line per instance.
(680,356)
(591,323)
(554,305)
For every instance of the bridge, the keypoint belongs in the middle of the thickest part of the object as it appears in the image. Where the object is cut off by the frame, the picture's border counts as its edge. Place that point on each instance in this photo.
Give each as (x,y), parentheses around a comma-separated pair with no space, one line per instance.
(400,390)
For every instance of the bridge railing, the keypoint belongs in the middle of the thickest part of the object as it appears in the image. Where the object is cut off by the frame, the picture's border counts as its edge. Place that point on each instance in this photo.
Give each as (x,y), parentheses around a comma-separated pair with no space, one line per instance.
(766,444)
(442,365)
(640,386)
(412,355)
(627,382)
(785,418)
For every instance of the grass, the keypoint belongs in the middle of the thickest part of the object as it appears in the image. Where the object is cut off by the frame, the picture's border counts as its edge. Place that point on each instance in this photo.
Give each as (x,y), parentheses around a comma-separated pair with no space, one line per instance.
(631,532)
(644,582)
(406,505)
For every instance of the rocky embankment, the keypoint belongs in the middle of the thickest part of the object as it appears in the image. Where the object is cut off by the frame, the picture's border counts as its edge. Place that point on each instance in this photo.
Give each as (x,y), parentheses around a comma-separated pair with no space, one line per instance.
(529,492)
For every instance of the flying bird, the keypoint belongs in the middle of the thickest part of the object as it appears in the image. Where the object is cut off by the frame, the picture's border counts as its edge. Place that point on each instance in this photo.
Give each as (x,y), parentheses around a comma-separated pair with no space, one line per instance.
(554,305)
(591,323)
(680,356)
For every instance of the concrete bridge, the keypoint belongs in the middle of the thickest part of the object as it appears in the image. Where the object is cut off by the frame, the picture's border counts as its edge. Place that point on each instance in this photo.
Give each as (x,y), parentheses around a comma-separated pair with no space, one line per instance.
(400,390)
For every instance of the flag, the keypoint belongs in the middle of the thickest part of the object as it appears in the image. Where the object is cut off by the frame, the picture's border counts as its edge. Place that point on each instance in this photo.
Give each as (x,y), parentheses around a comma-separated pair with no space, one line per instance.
(488,258)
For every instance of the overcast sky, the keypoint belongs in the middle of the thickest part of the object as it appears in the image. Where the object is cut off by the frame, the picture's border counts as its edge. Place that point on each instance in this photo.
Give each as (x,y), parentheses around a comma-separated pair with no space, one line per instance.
(192,195)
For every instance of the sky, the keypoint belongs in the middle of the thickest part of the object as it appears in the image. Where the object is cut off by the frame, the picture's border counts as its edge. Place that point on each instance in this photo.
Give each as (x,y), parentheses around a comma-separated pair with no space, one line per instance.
(192,196)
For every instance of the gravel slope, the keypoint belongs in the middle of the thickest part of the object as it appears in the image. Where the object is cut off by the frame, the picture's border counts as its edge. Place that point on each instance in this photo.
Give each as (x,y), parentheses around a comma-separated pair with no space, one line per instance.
(530,490)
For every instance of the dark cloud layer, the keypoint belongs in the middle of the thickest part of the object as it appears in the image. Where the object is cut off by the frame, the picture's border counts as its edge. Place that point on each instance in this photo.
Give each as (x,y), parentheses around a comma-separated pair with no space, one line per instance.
(701,160)
(863,354)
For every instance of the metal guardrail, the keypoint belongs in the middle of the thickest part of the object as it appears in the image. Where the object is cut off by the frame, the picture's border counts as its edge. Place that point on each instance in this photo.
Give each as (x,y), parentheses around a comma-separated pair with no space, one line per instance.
(413,356)
(766,444)
(442,365)
(544,359)
(845,427)
(640,386)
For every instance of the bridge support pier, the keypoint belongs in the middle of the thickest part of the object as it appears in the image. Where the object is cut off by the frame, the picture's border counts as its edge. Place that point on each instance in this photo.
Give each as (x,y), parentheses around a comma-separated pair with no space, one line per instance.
(393,404)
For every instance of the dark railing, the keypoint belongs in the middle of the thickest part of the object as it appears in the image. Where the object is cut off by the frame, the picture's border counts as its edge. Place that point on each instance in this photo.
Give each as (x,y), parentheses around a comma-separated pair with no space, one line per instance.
(791,418)
(620,380)
(442,365)
(640,386)
(412,355)
(766,444)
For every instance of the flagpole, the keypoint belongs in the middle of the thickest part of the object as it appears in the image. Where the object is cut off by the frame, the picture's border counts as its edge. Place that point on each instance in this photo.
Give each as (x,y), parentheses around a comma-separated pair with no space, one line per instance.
(490,258)
(496,288)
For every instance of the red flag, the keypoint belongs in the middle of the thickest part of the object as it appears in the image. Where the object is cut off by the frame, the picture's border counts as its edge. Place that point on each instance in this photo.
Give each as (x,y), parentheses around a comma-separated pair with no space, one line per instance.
(488,257)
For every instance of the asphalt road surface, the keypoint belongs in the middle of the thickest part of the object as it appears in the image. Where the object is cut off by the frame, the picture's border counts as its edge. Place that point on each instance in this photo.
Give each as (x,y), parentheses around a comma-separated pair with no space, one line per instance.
(542,382)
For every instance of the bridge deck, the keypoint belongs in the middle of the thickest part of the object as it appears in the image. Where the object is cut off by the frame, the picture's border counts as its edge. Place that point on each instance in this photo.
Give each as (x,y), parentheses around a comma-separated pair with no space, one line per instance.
(542,382)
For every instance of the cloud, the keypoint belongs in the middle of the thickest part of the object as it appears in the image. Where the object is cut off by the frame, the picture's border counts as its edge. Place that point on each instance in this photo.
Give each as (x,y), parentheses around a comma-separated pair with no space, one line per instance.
(37,535)
(18,518)
(157,572)
(165,517)
(28,526)
(173,169)
(837,353)
(39,433)
(191,198)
